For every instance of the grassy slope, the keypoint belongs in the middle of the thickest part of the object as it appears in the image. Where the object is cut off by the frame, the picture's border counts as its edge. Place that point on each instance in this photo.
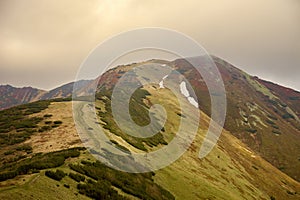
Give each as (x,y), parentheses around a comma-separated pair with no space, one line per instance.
(230,171)
(260,116)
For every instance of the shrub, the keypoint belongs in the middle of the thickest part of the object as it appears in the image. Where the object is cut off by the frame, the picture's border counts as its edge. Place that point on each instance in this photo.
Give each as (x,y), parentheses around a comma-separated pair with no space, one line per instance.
(38,162)
(276,132)
(57,175)
(104,177)
(270,122)
(57,122)
(99,190)
(251,130)
(25,147)
(9,152)
(44,128)
(48,115)
(288,116)
(8,175)
(275,126)
(294,98)
(272,117)
(76,177)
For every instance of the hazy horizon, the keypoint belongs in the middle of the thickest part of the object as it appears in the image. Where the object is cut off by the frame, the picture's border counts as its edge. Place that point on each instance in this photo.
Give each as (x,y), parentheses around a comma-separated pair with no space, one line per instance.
(43,43)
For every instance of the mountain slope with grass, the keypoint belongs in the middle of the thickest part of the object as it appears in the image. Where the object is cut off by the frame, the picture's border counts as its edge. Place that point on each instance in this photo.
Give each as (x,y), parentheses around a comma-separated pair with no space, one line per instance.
(230,171)
(261,114)
(51,163)
(256,157)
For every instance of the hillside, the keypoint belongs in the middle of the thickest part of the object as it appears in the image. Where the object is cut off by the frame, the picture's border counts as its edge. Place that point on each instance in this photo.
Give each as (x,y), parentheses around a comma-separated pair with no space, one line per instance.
(230,171)
(261,114)
(42,156)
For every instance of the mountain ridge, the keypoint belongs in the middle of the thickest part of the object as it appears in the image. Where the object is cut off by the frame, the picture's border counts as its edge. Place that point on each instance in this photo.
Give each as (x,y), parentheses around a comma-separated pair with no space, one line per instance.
(13,96)
(256,156)
(261,114)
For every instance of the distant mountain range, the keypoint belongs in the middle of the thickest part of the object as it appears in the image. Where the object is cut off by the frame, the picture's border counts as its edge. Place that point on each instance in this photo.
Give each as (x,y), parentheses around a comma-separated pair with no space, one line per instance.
(12,96)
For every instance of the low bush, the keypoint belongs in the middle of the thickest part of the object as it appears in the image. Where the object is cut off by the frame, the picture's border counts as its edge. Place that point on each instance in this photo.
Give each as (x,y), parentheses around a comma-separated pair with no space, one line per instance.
(104,177)
(277,132)
(38,162)
(99,190)
(44,128)
(288,116)
(273,117)
(9,152)
(25,147)
(270,122)
(57,122)
(251,130)
(57,175)
(76,177)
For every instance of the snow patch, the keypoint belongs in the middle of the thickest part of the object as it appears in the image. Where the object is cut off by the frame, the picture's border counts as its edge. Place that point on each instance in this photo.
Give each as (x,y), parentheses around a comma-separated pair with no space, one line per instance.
(186,93)
(161,83)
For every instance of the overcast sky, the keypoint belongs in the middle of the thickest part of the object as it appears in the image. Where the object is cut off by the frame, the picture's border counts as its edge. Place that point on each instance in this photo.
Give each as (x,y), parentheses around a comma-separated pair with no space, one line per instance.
(43,42)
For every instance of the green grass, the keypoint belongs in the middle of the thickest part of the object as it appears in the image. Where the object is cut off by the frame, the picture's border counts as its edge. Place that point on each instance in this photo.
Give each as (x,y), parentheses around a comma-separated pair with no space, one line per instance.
(139,113)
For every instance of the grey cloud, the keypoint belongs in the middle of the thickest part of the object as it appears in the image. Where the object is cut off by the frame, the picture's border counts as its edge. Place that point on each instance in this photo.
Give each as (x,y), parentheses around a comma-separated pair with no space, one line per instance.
(53,37)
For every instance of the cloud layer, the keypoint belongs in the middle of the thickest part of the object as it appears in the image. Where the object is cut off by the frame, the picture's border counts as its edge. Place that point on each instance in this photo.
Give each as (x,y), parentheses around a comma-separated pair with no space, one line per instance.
(44,42)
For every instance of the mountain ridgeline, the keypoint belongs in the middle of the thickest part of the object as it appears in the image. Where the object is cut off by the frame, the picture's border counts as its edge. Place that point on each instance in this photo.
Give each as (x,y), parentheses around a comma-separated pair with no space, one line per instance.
(12,96)
(256,157)
(263,115)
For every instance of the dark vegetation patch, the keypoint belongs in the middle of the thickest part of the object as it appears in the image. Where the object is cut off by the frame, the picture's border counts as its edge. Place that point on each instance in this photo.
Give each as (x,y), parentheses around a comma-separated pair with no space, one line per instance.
(48,115)
(17,126)
(251,130)
(44,128)
(138,185)
(99,190)
(17,119)
(181,115)
(77,177)
(287,116)
(270,122)
(27,148)
(94,179)
(277,132)
(140,115)
(56,175)
(57,122)
(294,98)
(275,126)
(272,117)
(122,148)
(37,162)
